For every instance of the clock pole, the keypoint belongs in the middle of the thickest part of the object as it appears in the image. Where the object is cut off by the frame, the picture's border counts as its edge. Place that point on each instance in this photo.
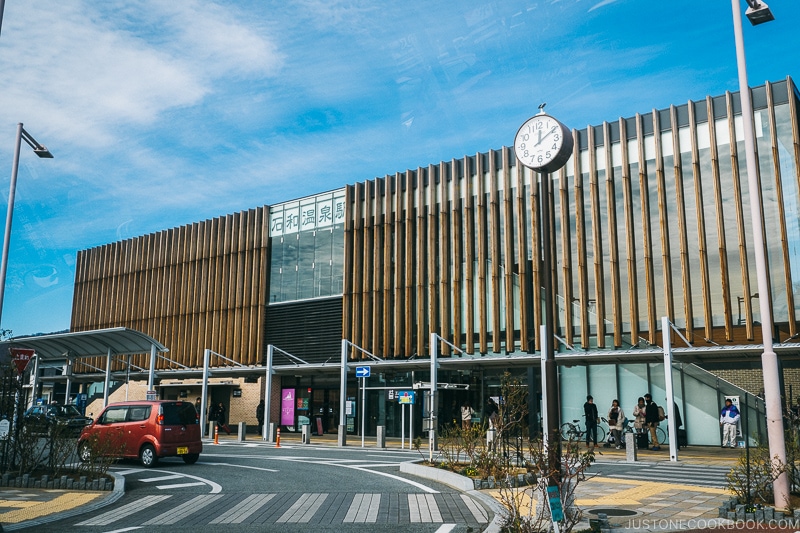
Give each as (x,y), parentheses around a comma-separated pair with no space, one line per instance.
(544,145)
(553,409)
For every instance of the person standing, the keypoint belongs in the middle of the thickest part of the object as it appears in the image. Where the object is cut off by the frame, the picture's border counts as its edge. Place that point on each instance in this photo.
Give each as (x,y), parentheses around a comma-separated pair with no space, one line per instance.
(639,414)
(592,418)
(260,416)
(728,419)
(222,418)
(491,412)
(652,420)
(615,418)
(466,416)
(197,405)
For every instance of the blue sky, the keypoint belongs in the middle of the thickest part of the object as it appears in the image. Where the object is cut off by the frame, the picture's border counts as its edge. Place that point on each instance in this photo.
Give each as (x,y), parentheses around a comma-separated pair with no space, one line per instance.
(160,113)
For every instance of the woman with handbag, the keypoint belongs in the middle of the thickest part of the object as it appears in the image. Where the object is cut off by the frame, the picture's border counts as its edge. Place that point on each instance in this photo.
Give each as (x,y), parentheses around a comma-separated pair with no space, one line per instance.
(615,418)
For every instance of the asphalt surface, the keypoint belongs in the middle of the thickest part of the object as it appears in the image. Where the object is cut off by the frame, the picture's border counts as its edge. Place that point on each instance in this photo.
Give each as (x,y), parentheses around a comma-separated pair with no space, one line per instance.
(252,486)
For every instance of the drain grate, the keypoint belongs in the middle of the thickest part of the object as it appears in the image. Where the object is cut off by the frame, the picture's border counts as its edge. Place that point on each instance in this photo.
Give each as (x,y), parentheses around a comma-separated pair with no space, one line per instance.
(612,512)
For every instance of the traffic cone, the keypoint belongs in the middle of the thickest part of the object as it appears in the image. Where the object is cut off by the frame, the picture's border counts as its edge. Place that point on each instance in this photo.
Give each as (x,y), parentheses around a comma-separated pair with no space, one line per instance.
(278,439)
(216,434)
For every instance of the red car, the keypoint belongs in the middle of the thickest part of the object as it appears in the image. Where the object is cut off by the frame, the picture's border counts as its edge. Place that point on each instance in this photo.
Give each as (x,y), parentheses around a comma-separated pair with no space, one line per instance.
(147,430)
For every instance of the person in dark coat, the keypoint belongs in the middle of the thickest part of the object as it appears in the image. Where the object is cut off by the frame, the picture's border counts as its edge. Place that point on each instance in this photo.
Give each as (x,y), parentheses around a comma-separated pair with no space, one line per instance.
(260,416)
(652,421)
(590,412)
(222,418)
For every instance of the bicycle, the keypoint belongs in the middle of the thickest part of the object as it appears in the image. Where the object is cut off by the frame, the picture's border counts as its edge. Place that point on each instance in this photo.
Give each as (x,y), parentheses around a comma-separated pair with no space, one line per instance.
(571,431)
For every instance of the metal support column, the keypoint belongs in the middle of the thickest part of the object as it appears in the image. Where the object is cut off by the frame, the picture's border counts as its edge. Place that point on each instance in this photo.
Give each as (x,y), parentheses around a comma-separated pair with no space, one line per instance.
(204,395)
(108,379)
(672,429)
(266,434)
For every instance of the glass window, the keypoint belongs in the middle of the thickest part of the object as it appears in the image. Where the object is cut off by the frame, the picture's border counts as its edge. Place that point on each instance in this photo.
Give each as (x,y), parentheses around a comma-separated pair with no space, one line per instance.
(179,413)
(139,413)
(114,415)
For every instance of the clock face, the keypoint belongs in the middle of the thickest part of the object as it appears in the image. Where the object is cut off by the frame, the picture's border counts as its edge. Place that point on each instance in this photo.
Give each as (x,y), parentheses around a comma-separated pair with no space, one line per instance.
(543,143)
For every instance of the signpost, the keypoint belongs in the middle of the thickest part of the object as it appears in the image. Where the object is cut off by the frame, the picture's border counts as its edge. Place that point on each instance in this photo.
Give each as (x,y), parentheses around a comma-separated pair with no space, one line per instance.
(362,373)
(406,397)
(21,357)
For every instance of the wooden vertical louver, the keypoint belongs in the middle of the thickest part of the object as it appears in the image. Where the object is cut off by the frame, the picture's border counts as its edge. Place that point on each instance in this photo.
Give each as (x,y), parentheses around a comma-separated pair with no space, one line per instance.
(192,288)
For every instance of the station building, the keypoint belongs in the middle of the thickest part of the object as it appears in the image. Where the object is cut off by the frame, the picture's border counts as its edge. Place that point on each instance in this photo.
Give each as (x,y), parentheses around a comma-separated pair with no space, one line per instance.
(650,219)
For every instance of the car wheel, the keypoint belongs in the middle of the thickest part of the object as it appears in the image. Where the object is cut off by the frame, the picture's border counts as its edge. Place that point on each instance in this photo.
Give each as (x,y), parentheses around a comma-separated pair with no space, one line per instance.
(147,456)
(191,458)
(84,451)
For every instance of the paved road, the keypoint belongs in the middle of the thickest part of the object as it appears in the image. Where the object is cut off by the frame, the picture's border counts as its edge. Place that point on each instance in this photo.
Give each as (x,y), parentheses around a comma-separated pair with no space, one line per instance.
(294,488)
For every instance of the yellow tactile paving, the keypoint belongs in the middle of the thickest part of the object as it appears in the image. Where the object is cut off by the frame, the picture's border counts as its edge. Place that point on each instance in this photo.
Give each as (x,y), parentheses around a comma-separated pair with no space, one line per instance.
(31,510)
(632,493)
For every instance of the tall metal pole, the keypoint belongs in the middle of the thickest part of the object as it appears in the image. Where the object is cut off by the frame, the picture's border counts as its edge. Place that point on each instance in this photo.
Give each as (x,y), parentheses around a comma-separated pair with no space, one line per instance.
(769,360)
(9,217)
(551,371)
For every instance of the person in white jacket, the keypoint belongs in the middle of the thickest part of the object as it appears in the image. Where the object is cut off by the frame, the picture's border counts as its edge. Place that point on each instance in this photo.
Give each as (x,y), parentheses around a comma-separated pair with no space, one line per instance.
(615,418)
(728,418)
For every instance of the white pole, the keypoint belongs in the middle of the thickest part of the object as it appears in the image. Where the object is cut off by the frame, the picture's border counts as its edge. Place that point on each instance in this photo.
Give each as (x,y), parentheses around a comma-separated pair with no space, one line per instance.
(769,360)
(108,379)
(403,427)
(151,376)
(9,217)
(204,395)
(363,382)
(672,430)
(343,396)
(432,403)
(265,433)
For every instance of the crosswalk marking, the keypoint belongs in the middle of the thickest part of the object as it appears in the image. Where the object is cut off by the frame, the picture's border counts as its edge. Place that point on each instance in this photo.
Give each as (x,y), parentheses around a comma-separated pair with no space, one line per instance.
(182,511)
(478,512)
(423,508)
(242,510)
(304,508)
(364,508)
(124,511)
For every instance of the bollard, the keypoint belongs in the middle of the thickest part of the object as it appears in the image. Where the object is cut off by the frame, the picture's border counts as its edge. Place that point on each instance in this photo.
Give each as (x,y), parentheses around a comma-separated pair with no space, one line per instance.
(342,437)
(630,447)
(305,434)
(381,437)
(242,432)
(271,434)
(490,434)
(278,438)
(216,434)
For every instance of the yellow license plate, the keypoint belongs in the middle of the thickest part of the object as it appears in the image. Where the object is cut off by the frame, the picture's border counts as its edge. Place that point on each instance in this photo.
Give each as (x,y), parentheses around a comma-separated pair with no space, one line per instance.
(183,450)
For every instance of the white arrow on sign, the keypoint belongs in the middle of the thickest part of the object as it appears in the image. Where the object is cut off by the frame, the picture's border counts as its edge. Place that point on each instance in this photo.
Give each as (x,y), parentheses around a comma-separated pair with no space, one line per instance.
(362,371)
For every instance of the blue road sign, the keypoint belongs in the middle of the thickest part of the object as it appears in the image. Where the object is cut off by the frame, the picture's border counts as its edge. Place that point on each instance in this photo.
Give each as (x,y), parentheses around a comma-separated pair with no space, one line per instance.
(362,371)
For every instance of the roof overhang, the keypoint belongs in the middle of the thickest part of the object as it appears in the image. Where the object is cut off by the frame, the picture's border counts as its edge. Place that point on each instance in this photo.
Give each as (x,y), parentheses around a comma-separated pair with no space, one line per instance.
(94,343)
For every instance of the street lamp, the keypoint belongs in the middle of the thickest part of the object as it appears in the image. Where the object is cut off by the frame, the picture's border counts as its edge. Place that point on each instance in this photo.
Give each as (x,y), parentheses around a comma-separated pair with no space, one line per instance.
(42,152)
(758,13)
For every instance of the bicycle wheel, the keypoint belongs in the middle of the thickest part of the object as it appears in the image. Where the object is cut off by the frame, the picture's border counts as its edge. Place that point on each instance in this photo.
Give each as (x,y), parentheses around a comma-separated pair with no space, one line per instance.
(662,436)
(568,432)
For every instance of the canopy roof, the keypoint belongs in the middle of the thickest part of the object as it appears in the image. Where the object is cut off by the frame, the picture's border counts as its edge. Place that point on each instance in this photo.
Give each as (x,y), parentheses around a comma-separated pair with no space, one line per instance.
(98,342)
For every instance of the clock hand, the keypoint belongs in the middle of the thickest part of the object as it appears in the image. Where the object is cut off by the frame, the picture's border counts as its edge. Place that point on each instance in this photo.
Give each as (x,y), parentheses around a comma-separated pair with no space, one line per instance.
(548,134)
(538,142)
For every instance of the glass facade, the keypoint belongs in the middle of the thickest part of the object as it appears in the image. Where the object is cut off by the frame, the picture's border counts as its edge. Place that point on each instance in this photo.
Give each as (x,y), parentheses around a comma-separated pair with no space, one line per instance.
(307,248)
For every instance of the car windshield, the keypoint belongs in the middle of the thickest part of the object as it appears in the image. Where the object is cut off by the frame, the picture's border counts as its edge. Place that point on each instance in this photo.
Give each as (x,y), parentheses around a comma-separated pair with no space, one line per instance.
(178,413)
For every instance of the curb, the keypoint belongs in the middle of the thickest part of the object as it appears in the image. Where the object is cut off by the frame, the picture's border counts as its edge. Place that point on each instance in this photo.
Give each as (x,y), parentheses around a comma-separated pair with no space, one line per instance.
(108,499)
(458,482)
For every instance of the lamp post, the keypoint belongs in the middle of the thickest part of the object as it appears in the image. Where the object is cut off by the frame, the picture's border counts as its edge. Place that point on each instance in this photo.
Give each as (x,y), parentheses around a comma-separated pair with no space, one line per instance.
(42,152)
(758,13)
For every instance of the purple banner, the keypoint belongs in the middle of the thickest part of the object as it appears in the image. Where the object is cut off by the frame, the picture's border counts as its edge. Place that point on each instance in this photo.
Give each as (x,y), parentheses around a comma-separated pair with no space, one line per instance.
(287,407)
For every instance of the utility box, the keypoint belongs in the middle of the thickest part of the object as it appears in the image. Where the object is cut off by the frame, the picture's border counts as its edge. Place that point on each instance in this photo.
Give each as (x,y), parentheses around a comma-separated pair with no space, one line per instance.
(381,440)
(242,432)
(305,433)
